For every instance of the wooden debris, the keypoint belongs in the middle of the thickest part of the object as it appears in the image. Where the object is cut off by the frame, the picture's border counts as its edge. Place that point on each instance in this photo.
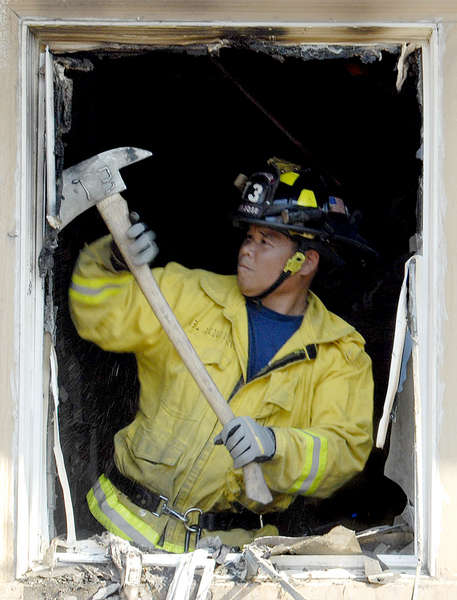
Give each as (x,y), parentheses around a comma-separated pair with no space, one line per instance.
(129,562)
(254,554)
(206,580)
(181,585)
(106,591)
(338,540)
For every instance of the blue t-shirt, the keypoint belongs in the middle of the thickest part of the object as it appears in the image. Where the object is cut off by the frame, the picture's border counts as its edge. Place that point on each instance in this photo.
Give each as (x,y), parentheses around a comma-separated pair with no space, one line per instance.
(268,331)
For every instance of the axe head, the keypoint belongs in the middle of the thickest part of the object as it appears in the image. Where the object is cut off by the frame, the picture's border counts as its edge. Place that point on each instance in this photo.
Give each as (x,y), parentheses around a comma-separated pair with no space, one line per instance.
(93,180)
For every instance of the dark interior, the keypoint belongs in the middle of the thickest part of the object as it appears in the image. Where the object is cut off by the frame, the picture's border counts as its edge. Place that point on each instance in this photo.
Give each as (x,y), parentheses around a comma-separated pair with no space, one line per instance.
(348,118)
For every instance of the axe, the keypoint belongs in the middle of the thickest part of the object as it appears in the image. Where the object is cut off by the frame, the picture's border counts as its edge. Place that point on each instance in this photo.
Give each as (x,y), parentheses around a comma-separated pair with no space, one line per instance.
(97,181)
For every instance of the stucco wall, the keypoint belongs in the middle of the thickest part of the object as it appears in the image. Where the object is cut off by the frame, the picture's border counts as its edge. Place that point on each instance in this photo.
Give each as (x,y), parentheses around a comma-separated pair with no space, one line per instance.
(257,10)
(345,11)
(9,244)
(447,412)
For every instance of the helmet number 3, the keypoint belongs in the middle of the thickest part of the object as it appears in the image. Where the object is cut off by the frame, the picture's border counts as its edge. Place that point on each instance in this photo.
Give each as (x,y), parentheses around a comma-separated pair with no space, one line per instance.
(254,195)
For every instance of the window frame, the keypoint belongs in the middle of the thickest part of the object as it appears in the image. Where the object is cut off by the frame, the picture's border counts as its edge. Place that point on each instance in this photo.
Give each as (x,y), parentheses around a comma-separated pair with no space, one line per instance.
(32,490)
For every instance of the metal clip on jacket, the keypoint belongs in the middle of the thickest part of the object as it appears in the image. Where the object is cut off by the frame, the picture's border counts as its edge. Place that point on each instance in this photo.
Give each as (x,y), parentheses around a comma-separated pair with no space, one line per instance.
(195,528)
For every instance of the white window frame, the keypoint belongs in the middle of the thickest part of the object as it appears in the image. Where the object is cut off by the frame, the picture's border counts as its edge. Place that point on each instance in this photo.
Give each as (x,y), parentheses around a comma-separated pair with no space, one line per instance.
(32,536)
(430,313)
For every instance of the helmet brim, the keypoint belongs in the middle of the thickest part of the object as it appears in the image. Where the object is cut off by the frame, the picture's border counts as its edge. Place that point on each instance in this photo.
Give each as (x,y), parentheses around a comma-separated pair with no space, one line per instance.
(339,243)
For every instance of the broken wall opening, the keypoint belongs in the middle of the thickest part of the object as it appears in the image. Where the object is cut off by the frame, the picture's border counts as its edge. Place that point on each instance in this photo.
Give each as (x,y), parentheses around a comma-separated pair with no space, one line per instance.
(342,107)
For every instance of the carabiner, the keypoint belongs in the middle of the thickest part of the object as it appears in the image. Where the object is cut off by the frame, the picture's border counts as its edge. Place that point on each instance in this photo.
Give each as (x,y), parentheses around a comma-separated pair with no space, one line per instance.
(190,529)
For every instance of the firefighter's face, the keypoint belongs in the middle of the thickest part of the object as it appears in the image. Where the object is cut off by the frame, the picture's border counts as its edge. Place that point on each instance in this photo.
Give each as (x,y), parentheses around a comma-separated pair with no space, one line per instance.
(261,259)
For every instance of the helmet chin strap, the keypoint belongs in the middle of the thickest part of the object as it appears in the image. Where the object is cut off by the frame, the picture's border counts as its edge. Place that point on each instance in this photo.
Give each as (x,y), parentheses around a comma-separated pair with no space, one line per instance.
(292,266)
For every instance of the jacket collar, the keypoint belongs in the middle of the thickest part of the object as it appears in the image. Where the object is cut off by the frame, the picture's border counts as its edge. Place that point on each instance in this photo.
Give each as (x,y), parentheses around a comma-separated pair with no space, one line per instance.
(319,324)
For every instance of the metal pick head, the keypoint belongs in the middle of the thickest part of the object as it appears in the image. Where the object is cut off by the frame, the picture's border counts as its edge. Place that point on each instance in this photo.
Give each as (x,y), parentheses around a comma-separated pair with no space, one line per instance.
(93,180)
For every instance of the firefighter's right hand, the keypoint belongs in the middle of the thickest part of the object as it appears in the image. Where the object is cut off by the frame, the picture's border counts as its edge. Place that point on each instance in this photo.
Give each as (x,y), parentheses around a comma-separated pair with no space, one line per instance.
(142,247)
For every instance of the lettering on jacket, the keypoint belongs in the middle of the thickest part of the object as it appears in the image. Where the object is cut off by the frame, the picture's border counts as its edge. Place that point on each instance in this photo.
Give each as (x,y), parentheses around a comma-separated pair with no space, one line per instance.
(212,332)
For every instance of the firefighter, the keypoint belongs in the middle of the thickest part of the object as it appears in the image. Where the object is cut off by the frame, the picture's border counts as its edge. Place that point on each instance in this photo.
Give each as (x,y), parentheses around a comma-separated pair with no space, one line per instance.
(297,376)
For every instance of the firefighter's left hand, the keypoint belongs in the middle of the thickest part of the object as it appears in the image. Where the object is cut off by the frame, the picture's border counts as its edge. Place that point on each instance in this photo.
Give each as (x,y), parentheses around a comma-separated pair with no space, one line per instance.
(247,441)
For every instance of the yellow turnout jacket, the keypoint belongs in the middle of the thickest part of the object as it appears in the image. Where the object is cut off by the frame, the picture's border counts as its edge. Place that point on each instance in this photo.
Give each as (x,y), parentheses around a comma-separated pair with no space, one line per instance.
(316,393)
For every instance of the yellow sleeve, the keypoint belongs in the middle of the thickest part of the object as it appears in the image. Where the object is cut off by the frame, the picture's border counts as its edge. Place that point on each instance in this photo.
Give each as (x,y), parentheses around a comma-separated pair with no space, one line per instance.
(318,459)
(107,307)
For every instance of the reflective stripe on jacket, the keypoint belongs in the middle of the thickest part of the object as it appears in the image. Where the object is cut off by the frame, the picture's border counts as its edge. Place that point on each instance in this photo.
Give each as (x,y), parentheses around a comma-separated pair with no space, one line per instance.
(319,405)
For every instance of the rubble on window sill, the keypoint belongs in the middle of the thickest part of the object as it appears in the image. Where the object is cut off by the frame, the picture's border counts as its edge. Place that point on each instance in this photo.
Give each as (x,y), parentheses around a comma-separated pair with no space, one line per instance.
(109,567)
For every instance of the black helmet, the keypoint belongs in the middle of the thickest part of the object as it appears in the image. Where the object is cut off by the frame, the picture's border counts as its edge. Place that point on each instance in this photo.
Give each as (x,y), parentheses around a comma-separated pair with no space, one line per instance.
(304,204)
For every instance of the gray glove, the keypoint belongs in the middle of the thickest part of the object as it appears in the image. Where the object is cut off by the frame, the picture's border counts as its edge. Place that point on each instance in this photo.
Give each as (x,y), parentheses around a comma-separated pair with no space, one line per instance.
(142,249)
(247,441)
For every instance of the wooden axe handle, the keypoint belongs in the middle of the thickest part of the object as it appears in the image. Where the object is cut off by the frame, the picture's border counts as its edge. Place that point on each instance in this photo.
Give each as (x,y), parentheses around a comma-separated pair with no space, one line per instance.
(115,213)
